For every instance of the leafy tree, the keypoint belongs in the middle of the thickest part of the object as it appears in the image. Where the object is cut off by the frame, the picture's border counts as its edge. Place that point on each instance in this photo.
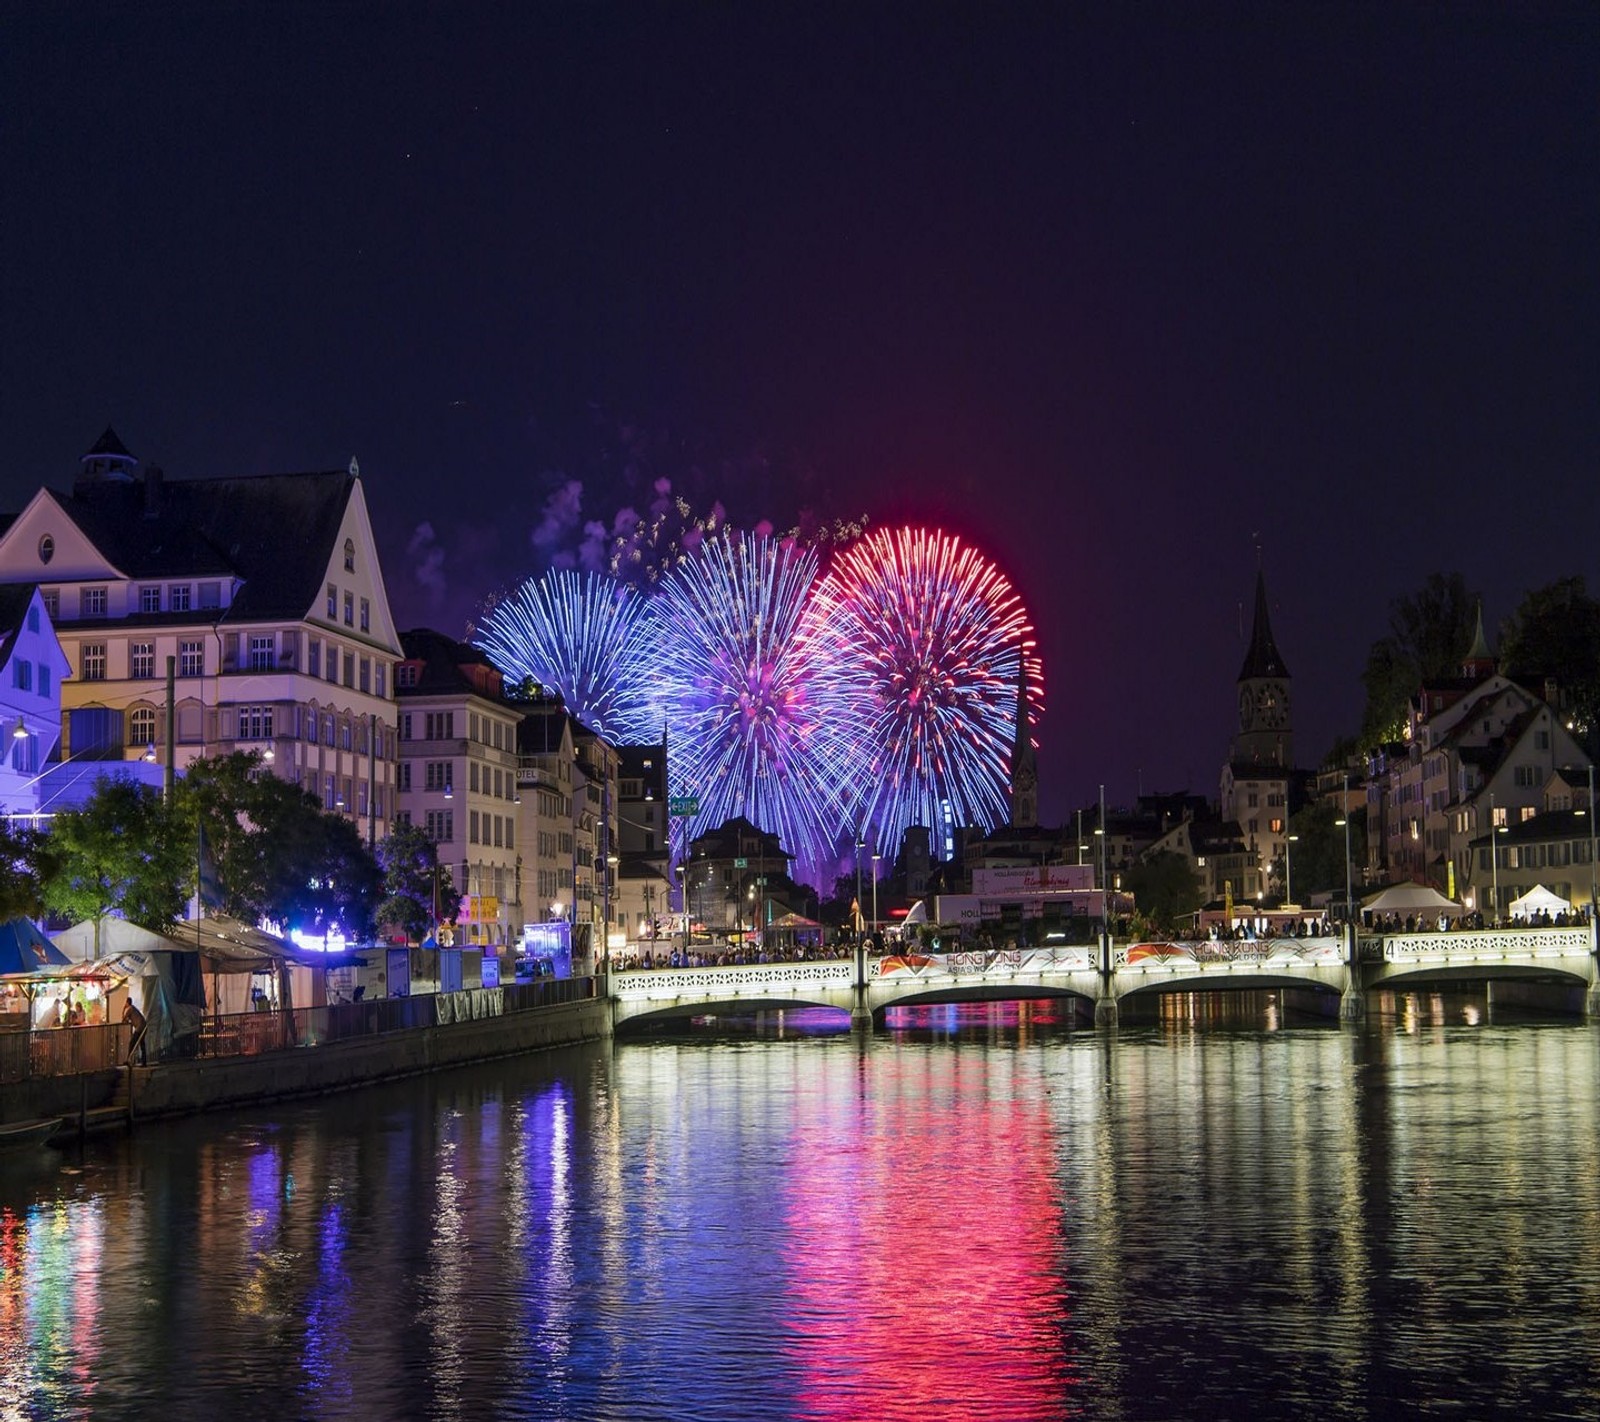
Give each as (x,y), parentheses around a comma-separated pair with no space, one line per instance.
(276,853)
(1319,853)
(1166,888)
(1429,634)
(1555,632)
(23,855)
(123,851)
(409,861)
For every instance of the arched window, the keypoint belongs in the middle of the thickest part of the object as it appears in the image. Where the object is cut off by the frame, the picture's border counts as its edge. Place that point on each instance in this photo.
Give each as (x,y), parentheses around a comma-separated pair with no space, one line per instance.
(349,555)
(142,727)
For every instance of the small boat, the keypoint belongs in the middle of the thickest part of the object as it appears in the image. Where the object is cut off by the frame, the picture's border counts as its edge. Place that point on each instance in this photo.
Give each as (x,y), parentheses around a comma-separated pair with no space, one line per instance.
(17,1134)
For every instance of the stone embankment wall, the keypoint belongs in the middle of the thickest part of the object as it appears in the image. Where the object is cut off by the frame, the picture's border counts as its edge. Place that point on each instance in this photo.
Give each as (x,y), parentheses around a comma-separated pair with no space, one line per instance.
(178,1088)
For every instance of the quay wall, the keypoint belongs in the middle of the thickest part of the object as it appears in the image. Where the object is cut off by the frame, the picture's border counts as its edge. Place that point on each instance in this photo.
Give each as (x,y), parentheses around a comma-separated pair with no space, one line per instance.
(207,1083)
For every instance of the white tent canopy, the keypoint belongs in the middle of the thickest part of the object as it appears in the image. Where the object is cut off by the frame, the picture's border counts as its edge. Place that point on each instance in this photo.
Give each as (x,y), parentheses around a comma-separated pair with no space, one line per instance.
(1411,899)
(1537,900)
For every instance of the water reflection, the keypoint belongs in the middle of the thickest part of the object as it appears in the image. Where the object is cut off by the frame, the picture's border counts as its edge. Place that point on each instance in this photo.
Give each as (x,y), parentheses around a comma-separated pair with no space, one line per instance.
(1227,1207)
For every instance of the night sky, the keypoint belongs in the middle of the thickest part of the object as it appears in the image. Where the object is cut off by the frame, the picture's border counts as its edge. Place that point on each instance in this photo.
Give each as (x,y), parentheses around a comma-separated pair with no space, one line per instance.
(1123,294)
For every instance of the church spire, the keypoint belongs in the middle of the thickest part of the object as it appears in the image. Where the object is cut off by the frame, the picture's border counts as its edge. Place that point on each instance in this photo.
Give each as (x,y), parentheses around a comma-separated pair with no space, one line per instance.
(1263,658)
(1479,661)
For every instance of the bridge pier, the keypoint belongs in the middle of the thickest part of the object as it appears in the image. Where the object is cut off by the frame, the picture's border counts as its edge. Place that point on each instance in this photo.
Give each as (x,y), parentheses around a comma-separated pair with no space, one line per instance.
(1105,1012)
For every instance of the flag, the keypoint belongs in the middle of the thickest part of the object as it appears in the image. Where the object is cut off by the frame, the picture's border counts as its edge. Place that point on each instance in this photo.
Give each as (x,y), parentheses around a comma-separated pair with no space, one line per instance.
(210,884)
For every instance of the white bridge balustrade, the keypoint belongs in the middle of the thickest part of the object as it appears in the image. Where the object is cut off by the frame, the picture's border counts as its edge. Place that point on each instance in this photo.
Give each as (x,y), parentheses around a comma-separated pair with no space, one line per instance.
(1106,973)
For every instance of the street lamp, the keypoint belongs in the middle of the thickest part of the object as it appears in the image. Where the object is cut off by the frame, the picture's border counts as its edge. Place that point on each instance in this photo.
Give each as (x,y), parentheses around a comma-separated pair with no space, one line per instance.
(1288,872)
(1349,904)
(875,859)
(861,844)
(1494,862)
(1592,837)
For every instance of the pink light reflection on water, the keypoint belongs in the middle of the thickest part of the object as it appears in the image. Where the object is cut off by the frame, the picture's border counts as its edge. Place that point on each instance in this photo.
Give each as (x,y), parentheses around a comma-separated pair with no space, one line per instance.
(893,1193)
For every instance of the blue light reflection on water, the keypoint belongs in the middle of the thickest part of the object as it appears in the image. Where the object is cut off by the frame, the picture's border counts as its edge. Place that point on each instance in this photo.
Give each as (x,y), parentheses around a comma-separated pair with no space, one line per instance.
(976,1213)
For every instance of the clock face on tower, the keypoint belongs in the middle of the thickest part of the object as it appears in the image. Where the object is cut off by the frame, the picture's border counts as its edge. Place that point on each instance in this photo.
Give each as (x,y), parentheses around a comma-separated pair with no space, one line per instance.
(1272,705)
(1022,779)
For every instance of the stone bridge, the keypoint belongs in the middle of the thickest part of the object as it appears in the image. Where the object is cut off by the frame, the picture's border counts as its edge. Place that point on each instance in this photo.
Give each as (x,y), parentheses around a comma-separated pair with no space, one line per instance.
(1561,960)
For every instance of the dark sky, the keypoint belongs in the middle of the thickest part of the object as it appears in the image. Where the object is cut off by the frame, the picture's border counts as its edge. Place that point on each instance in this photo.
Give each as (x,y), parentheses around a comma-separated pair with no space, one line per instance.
(1122,294)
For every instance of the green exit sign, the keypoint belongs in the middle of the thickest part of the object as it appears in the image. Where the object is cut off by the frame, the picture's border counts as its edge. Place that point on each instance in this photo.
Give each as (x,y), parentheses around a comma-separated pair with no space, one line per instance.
(683,805)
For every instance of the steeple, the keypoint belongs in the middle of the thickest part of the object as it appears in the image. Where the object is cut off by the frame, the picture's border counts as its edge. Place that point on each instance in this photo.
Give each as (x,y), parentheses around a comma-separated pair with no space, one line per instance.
(107,460)
(1024,772)
(1479,661)
(1263,658)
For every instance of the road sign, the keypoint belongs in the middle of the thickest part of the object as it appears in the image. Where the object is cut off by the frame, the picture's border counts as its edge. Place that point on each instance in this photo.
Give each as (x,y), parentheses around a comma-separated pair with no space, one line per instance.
(681,806)
(741,863)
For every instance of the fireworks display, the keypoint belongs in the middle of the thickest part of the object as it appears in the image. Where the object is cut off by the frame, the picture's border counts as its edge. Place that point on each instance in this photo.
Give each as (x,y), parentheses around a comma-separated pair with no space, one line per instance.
(735,687)
(923,639)
(880,696)
(578,634)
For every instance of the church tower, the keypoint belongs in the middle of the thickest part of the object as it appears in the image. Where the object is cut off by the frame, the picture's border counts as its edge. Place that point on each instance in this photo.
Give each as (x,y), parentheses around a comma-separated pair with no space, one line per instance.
(1024,772)
(1266,728)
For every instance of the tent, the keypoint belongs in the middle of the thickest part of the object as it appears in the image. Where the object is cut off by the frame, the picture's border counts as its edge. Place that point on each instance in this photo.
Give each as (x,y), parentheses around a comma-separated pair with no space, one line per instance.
(1411,899)
(1539,900)
(23,949)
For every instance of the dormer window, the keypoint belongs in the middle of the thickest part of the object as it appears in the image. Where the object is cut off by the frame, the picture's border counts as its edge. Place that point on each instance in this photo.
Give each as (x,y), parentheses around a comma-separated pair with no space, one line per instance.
(349,555)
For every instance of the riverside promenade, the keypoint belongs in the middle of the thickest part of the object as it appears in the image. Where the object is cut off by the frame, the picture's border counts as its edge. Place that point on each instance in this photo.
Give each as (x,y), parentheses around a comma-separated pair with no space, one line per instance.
(82,1075)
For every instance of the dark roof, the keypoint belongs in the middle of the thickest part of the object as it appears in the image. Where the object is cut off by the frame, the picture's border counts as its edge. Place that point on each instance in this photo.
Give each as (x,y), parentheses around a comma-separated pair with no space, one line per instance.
(109,444)
(14,600)
(539,731)
(1263,657)
(632,760)
(443,661)
(1551,824)
(274,532)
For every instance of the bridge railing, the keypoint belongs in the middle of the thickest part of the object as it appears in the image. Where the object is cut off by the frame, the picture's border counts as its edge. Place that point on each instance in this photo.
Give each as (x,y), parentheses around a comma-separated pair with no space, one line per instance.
(1482,945)
(991,962)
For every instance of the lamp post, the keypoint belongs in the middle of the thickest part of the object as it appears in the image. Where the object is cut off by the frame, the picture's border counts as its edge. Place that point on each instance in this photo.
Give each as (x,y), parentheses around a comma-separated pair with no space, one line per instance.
(875,858)
(1349,903)
(1288,871)
(1592,845)
(1494,864)
(861,843)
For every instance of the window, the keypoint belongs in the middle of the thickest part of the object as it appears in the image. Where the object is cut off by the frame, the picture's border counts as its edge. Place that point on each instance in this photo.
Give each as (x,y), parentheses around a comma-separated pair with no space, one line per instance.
(510,843)
(22,675)
(441,826)
(366,615)
(142,660)
(178,598)
(377,681)
(405,726)
(403,775)
(333,602)
(333,663)
(44,679)
(1541,740)
(210,595)
(142,727)
(92,602)
(405,675)
(327,728)
(366,674)
(314,656)
(92,667)
(472,827)
(349,555)
(47,548)
(1499,815)
(349,610)
(52,602)
(441,726)
(345,734)
(191,658)
(328,793)
(263,652)
(150,599)
(439,774)
(255,723)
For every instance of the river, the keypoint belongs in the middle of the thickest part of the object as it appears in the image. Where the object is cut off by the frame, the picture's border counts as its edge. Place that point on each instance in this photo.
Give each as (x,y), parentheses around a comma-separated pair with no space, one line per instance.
(976,1213)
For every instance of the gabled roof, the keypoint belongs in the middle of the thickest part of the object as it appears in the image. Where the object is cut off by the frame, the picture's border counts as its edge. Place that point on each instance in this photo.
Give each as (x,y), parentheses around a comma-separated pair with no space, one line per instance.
(273,532)
(14,600)
(1262,659)
(108,443)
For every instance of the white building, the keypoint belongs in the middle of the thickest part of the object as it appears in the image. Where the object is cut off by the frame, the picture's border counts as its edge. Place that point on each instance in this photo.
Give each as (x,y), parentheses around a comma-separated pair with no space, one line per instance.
(257,605)
(32,668)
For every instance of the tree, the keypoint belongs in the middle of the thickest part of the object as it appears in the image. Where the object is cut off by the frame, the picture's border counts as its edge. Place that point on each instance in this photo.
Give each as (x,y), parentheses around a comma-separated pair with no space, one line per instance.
(1319,854)
(1166,888)
(123,851)
(1429,634)
(411,876)
(23,854)
(1555,632)
(277,854)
